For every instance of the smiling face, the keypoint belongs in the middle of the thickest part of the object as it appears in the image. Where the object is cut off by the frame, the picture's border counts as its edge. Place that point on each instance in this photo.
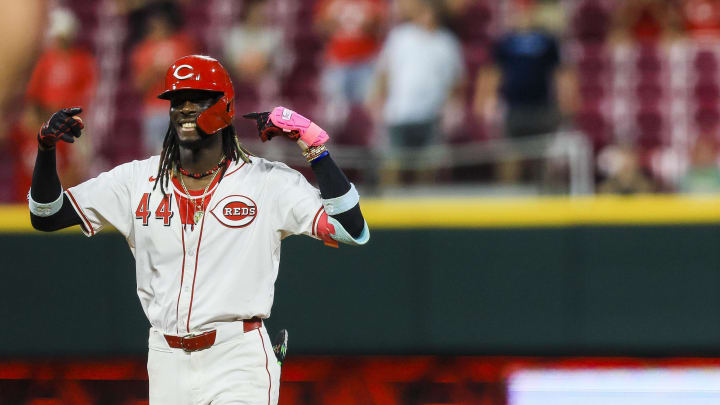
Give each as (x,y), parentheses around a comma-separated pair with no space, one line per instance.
(185,107)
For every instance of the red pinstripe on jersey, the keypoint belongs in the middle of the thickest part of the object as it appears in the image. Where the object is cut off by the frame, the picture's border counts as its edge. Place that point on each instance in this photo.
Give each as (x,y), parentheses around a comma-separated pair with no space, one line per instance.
(236,169)
(82,214)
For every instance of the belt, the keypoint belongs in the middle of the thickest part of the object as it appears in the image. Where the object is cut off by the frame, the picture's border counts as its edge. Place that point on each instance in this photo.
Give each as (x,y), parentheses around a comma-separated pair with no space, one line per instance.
(193,342)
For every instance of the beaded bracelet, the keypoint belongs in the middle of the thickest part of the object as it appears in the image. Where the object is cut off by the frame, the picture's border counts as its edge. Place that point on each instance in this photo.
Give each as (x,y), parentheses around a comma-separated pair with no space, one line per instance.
(314,152)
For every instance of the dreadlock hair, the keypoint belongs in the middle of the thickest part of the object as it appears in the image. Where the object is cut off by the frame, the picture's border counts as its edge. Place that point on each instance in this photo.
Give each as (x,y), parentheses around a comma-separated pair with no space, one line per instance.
(170,155)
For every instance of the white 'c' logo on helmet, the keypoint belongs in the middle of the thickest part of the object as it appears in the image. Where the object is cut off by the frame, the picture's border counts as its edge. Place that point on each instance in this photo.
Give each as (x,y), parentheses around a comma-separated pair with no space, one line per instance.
(176,73)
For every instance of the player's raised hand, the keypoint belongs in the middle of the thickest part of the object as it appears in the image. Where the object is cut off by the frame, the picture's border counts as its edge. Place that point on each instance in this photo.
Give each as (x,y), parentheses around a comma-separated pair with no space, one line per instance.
(63,125)
(266,129)
(283,121)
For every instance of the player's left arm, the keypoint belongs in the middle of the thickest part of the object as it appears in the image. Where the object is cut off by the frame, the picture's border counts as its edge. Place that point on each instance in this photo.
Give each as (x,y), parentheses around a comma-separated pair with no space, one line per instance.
(342,219)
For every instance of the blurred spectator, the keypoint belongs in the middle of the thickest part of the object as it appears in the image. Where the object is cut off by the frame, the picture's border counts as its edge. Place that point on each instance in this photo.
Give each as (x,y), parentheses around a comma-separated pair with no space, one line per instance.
(163,42)
(353,29)
(702,18)
(255,51)
(420,68)
(703,176)
(529,78)
(646,21)
(550,15)
(528,82)
(63,76)
(65,73)
(21,27)
(591,22)
(623,173)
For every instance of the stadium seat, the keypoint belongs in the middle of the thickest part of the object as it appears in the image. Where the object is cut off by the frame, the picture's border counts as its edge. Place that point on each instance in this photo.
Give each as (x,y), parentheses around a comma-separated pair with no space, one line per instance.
(472,25)
(648,93)
(705,63)
(359,130)
(592,93)
(648,60)
(707,118)
(592,67)
(706,93)
(649,126)
(591,22)
(594,125)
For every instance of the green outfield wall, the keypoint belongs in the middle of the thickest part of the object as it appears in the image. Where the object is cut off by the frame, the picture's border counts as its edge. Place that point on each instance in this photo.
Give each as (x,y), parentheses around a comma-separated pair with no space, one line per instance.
(574,286)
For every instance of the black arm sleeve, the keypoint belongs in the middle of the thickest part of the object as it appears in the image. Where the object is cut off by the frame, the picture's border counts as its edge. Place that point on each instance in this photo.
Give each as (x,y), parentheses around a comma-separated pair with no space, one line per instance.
(45,181)
(333,183)
(46,188)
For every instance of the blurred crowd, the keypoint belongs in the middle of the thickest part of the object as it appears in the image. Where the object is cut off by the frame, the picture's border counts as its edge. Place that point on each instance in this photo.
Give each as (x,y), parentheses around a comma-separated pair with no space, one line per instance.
(393,79)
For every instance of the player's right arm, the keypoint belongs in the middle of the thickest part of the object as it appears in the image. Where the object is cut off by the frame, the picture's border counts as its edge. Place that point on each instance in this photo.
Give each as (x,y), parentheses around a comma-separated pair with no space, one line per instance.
(50,208)
(340,218)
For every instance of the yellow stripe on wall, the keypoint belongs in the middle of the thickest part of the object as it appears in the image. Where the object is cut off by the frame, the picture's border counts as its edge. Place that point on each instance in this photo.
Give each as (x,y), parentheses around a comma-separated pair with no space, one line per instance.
(503,212)
(547,211)
(16,218)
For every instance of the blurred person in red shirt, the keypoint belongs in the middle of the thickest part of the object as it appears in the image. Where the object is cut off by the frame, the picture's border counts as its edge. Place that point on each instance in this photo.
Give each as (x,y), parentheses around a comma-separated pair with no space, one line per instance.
(646,21)
(353,29)
(702,18)
(22,24)
(64,75)
(163,43)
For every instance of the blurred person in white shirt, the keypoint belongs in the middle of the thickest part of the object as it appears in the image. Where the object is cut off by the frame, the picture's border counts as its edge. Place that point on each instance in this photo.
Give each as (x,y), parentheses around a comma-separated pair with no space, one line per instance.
(420,69)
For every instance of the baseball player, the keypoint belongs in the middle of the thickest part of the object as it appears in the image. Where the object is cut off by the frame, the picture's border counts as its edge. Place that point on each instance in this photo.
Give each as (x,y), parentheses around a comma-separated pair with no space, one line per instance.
(205,221)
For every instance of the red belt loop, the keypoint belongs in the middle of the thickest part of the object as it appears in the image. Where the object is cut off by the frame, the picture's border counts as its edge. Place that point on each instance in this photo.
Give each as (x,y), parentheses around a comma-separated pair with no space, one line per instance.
(192,343)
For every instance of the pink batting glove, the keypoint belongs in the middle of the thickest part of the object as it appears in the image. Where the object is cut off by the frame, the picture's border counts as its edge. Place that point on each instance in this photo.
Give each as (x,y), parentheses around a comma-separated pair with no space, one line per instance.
(290,121)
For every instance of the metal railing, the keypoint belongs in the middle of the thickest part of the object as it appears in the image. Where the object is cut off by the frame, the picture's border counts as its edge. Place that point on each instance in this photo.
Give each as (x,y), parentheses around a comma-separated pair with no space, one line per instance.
(570,149)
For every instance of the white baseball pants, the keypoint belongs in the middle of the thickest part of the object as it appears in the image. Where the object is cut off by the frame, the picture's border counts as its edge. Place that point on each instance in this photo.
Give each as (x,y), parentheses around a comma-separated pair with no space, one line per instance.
(239,369)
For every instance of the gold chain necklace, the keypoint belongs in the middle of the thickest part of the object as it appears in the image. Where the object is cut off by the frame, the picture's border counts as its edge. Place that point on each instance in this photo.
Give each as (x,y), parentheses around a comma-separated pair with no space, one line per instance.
(199,212)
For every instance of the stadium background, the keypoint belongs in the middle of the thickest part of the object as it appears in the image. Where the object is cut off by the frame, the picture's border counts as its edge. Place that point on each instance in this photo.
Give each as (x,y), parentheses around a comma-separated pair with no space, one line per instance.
(472,275)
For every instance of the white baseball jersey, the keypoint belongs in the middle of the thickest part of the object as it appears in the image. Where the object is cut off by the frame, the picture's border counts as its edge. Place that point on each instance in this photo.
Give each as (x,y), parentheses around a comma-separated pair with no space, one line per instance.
(190,277)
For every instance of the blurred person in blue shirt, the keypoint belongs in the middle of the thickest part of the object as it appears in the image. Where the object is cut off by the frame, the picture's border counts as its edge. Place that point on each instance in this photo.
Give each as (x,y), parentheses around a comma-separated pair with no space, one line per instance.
(528,77)
(528,86)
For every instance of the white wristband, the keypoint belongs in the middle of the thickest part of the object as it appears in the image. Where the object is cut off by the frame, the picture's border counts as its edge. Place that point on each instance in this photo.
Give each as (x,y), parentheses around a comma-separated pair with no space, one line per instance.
(338,205)
(45,209)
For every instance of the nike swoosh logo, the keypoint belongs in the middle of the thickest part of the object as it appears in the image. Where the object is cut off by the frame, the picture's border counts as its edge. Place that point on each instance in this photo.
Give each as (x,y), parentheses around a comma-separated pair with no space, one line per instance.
(152,179)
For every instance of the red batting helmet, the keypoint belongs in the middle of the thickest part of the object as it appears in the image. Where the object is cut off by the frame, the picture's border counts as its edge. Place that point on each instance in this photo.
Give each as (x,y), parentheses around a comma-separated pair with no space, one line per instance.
(197,72)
